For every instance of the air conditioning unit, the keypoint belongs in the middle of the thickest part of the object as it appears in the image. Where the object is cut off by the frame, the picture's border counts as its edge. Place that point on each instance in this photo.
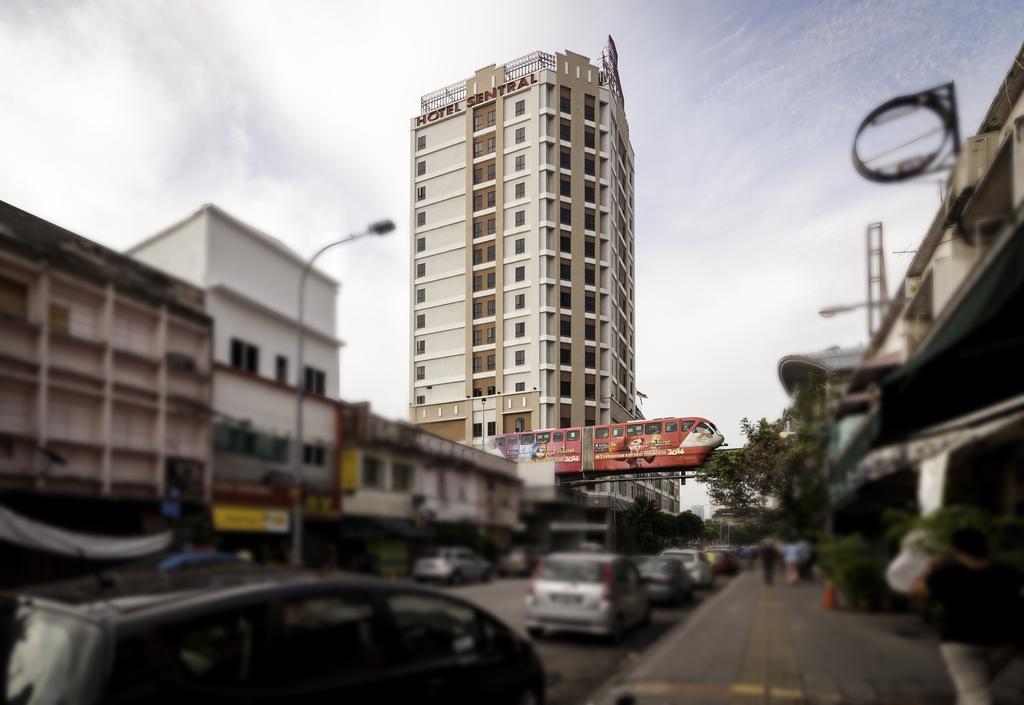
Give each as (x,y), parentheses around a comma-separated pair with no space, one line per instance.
(975,158)
(181,361)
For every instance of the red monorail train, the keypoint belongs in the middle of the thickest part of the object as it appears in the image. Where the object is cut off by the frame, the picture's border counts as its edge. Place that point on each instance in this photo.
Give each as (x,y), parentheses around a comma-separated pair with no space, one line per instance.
(633,446)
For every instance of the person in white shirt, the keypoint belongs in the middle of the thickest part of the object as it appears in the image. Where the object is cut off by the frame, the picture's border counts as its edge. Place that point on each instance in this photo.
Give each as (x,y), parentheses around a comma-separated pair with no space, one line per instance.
(791,557)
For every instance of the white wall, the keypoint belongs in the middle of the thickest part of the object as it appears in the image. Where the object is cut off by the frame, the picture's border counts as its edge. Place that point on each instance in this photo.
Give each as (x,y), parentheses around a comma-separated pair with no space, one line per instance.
(263,273)
(181,253)
(236,319)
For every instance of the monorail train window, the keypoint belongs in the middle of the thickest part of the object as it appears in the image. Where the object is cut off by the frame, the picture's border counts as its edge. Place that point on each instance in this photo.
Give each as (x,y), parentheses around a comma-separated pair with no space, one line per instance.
(652,428)
(543,437)
(601,432)
(636,429)
(557,436)
(702,428)
(685,425)
(500,441)
(618,431)
(573,435)
(526,439)
(671,427)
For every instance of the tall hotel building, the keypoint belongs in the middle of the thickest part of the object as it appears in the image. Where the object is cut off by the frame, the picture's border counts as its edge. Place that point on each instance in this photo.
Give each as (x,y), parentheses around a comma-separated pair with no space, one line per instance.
(522,250)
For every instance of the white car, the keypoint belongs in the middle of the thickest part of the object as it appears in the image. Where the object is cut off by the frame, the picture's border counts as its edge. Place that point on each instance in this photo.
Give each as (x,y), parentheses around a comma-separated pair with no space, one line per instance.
(452,565)
(696,562)
(593,593)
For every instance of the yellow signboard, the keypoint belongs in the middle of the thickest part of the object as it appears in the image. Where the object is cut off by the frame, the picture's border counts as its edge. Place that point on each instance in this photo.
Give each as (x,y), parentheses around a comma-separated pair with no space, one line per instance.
(262,520)
(349,470)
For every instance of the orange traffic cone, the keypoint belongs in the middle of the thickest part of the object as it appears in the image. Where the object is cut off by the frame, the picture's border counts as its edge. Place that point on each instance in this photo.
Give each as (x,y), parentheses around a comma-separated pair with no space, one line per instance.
(828,599)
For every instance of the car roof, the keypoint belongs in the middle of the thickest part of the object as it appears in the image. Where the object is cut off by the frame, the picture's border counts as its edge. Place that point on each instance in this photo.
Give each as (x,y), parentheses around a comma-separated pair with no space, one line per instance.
(140,606)
(582,556)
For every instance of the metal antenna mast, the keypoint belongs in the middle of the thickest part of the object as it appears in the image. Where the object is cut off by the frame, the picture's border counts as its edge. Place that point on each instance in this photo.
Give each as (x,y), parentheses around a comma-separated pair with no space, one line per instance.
(878,289)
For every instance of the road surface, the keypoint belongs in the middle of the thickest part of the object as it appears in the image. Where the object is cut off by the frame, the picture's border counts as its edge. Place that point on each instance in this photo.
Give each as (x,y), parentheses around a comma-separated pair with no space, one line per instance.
(576,665)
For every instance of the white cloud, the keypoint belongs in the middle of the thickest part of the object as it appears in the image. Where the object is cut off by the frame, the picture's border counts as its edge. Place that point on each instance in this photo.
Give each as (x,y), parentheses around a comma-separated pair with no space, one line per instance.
(119,118)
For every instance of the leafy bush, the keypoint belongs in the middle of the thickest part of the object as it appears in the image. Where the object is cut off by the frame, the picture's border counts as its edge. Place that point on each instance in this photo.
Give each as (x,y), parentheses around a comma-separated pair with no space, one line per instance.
(857,569)
(1005,533)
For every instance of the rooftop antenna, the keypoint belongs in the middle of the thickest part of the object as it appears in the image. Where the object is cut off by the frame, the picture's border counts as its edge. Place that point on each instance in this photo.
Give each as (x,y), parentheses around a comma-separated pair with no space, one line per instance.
(878,289)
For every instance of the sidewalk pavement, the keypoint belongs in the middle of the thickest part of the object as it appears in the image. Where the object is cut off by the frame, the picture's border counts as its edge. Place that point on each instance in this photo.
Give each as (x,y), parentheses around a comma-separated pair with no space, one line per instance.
(752,644)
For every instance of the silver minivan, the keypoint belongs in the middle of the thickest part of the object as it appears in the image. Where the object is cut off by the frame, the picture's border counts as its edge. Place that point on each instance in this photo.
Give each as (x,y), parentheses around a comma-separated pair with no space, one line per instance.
(696,562)
(592,593)
(452,565)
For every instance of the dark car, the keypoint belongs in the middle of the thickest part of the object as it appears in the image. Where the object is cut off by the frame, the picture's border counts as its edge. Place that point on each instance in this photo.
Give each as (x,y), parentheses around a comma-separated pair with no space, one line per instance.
(724,561)
(666,579)
(284,639)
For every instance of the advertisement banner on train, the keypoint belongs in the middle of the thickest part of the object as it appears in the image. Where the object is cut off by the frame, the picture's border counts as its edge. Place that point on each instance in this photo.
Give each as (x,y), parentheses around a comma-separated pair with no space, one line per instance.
(540,447)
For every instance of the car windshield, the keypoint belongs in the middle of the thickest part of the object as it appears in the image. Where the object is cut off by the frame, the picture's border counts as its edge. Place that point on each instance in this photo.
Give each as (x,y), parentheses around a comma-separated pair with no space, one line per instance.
(649,564)
(571,571)
(684,557)
(44,657)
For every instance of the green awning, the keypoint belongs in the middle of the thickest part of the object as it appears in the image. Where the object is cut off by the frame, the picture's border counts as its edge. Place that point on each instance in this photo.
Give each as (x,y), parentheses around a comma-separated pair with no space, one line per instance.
(844,475)
(975,360)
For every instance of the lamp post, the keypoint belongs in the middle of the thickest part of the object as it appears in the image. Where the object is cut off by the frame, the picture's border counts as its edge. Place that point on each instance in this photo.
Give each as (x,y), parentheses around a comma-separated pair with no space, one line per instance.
(382,227)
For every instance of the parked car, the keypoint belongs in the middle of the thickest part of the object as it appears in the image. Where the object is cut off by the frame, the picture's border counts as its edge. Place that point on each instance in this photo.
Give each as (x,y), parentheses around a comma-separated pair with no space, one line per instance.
(452,565)
(593,593)
(192,560)
(297,639)
(723,560)
(696,563)
(667,580)
(518,560)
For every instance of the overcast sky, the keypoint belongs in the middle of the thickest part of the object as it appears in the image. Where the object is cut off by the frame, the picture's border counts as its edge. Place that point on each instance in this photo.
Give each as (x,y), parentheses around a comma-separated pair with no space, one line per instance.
(119,118)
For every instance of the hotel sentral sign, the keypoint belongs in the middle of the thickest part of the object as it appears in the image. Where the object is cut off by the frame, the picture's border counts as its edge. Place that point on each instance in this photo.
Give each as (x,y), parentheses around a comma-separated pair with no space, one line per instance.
(476,99)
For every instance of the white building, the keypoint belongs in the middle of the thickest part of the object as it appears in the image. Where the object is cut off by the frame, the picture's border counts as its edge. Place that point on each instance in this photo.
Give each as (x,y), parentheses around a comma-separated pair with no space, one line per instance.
(522,251)
(251,283)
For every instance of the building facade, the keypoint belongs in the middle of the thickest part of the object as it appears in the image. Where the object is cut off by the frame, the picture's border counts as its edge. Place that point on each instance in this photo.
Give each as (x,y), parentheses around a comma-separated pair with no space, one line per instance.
(105,383)
(404,487)
(522,250)
(935,411)
(251,283)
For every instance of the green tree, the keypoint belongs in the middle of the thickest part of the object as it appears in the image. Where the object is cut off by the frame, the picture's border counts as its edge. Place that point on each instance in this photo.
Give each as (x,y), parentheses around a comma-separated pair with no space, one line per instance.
(776,464)
(688,526)
(642,521)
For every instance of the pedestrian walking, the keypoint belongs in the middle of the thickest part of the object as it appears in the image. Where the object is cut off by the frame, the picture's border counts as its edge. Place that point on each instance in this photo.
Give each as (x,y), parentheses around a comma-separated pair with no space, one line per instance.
(804,565)
(768,556)
(981,614)
(791,557)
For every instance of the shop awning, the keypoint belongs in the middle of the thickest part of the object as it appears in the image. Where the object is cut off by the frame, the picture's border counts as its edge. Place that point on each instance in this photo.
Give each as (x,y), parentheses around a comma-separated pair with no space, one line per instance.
(974,360)
(945,439)
(37,536)
(380,527)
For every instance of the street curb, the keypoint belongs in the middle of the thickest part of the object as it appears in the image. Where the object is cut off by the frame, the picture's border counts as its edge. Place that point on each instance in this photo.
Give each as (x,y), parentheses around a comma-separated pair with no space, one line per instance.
(604,692)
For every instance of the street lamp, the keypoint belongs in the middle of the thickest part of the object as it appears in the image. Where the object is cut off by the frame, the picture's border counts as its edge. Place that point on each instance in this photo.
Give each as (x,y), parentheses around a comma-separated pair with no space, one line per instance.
(381,227)
(830,311)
